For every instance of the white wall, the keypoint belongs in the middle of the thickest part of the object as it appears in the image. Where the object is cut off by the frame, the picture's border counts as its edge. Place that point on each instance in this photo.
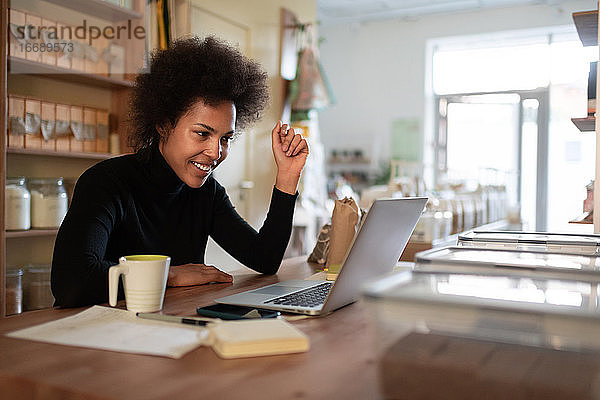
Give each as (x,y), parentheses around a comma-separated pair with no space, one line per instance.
(262,20)
(262,17)
(377,70)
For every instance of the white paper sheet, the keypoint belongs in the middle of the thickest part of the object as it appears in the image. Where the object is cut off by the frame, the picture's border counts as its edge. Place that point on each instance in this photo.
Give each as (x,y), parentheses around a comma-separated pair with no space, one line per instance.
(117,330)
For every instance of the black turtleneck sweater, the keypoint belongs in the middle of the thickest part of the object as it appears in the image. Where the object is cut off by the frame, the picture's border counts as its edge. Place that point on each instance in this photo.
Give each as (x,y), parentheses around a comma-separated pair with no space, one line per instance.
(137,205)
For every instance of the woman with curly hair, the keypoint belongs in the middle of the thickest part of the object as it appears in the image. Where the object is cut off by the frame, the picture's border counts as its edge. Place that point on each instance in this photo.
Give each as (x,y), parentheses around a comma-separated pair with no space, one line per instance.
(163,199)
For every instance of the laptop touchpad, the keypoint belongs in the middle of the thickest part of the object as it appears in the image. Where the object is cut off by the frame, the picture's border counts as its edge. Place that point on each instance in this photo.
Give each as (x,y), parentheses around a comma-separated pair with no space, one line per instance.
(276,290)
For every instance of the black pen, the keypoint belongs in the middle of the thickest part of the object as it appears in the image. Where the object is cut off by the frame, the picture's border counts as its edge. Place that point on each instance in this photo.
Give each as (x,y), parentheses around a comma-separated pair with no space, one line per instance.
(173,318)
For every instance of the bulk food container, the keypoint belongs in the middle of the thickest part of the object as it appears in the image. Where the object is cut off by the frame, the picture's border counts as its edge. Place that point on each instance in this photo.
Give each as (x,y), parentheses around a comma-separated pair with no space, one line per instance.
(14,290)
(458,336)
(37,292)
(554,313)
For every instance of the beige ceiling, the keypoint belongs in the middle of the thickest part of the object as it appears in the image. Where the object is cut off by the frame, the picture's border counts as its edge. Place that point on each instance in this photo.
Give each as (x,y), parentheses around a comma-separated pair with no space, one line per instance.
(340,11)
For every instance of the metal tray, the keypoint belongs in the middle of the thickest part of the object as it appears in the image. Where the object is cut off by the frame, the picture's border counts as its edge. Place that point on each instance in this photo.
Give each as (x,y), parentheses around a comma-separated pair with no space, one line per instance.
(488,261)
(557,242)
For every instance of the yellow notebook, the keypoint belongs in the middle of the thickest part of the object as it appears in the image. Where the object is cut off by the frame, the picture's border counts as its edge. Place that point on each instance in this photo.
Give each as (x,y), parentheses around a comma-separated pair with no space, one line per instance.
(256,337)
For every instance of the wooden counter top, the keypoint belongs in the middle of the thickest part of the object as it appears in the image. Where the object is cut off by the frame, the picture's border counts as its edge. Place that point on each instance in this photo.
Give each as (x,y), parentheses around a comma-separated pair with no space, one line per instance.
(341,362)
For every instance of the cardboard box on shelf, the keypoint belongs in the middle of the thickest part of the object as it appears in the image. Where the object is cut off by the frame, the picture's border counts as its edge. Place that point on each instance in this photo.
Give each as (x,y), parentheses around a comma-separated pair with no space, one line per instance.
(48,40)
(114,140)
(33,120)
(16,122)
(91,58)
(78,54)
(33,51)
(48,126)
(63,57)
(116,55)
(77,138)
(63,128)
(16,41)
(102,131)
(101,44)
(89,130)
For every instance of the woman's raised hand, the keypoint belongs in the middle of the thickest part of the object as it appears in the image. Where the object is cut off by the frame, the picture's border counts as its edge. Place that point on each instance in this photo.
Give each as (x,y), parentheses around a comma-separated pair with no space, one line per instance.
(290,151)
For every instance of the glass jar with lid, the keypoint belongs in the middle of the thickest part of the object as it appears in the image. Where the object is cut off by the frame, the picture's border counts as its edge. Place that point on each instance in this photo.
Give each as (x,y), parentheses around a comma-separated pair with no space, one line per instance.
(49,202)
(37,293)
(427,228)
(17,205)
(14,290)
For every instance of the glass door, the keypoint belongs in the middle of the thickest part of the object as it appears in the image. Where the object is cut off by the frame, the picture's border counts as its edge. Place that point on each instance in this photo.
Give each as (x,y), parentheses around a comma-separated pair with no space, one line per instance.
(501,140)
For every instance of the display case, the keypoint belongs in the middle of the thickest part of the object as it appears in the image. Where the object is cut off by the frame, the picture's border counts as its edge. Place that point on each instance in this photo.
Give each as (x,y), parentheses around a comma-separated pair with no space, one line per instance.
(551,313)
(469,336)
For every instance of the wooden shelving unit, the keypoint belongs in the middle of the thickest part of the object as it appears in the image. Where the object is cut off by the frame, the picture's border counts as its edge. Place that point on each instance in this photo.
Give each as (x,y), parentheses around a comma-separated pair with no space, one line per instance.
(585,124)
(30,233)
(17,66)
(582,219)
(53,83)
(3,128)
(34,152)
(586,23)
(99,8)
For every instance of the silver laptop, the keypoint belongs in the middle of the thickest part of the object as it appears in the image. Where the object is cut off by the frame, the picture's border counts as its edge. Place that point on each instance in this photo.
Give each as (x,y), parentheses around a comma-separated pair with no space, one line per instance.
(375,250)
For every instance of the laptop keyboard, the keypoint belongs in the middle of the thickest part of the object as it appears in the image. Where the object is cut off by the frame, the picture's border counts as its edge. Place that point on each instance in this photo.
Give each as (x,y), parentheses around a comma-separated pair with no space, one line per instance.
(310,297)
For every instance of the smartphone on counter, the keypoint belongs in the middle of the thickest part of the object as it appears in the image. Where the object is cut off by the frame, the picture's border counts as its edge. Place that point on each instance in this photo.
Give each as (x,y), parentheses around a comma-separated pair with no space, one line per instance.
(229,312)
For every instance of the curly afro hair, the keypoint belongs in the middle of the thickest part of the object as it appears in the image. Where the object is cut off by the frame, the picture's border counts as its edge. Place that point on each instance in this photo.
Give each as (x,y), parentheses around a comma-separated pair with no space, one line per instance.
(189,70)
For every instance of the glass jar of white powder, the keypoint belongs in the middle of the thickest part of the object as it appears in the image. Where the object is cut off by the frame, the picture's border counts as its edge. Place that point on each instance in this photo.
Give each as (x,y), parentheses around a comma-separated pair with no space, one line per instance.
(17,205)
(49,202)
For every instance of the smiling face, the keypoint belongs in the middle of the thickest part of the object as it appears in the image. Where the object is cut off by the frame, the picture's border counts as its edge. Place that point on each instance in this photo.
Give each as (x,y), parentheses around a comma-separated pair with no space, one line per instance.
(199,142)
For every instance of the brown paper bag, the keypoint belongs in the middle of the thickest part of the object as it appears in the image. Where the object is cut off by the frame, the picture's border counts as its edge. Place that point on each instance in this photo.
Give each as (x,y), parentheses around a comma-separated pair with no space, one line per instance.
(321,250)
(344,221)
